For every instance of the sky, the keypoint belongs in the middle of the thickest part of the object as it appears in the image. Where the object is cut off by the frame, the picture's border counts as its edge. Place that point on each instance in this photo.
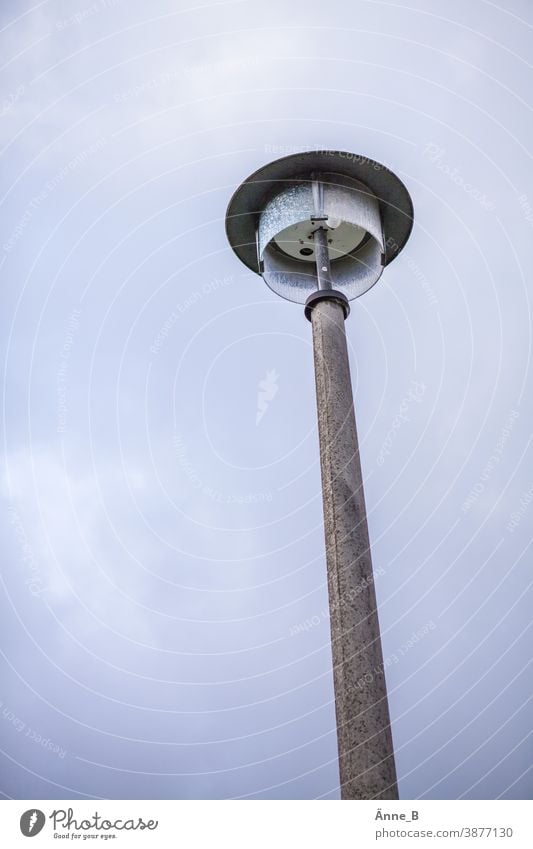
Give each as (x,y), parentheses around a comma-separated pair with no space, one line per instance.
(164,630)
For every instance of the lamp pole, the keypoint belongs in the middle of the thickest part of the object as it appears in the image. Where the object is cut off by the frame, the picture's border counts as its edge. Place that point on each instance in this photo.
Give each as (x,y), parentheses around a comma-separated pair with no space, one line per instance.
(322,237)
(366,759)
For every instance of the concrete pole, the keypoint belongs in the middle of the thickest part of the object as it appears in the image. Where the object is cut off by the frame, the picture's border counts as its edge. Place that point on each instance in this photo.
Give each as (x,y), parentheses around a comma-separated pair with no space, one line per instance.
(366,756)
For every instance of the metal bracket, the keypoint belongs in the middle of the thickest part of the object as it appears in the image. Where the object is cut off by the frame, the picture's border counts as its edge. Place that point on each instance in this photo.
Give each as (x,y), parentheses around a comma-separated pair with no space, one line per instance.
(317,188)
(323,268)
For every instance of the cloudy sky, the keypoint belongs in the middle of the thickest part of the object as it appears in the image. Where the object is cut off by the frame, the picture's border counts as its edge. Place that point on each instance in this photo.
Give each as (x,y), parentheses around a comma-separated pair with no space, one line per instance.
(164,629)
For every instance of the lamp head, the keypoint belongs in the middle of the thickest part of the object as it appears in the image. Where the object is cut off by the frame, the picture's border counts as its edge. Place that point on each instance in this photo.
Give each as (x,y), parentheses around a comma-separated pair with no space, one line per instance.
(273,218)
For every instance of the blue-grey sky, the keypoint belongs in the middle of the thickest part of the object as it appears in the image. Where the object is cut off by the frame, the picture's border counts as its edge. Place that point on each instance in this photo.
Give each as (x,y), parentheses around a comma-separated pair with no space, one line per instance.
(164,629)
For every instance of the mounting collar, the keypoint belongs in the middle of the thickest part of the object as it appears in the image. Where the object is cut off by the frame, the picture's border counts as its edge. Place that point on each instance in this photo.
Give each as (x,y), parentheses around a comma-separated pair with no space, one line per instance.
(323,295)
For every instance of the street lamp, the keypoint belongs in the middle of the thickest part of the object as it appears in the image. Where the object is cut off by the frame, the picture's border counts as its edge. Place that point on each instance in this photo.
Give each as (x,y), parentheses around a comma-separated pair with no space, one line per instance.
(319,227)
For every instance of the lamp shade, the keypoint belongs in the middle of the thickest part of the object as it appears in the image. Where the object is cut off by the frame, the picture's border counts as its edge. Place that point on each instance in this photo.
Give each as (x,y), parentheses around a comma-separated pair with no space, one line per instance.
(273,216)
